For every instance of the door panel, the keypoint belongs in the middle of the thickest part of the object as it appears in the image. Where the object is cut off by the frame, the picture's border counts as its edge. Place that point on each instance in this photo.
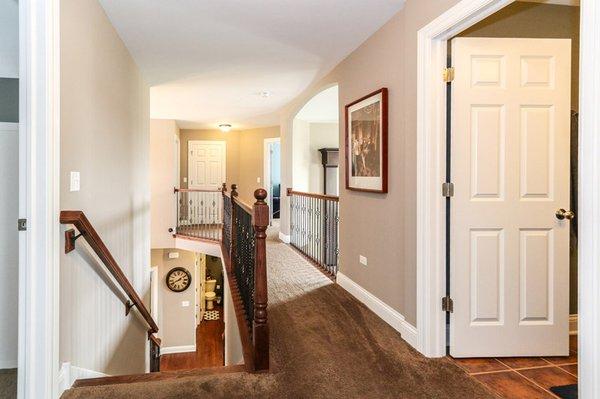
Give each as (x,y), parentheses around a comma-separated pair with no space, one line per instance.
(510,166)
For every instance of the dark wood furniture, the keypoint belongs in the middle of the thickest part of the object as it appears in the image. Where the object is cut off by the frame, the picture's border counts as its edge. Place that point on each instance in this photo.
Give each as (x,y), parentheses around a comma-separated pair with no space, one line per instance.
(330,158)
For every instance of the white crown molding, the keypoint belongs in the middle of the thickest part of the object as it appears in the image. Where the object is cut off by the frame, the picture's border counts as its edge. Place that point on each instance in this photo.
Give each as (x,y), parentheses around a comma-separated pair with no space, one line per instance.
(381,309)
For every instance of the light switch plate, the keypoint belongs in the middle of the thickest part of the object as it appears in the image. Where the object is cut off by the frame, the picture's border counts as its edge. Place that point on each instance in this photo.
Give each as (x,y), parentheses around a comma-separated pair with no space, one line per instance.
(75,181)
(185,304)
(362,260)
(185,179)
(258,179)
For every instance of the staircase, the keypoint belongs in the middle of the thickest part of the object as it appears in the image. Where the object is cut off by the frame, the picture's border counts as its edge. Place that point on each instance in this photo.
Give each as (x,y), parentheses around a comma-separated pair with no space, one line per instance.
(240,232)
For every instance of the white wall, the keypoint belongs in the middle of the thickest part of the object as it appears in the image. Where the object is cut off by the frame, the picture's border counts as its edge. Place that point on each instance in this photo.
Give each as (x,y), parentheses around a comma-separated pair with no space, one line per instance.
(233,344)
(322,135)
(301,155)
(308,138)
(9,39)
(9,244)
(104,136)
(162,181)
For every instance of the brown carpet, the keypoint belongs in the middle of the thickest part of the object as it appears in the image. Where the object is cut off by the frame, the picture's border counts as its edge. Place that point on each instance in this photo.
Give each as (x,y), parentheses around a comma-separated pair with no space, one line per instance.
(8,383)
(325,344)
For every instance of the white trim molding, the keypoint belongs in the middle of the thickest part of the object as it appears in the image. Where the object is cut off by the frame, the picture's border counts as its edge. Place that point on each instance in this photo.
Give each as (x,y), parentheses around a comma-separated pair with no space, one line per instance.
(39,171)
(381,309)
(286,238)
(177,349)
(68,374)
(589,202)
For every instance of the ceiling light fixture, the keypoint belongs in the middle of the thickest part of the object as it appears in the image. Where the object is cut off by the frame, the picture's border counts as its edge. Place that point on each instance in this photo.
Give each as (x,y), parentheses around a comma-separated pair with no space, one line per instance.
(225,127)
(265,94)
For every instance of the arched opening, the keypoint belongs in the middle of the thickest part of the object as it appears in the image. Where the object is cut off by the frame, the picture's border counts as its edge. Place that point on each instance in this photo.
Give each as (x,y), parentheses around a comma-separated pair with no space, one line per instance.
(315,144)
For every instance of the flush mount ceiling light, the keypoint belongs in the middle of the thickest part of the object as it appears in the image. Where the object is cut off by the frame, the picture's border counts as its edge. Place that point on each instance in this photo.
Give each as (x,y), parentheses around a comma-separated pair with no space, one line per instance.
(265,94)
(225,127)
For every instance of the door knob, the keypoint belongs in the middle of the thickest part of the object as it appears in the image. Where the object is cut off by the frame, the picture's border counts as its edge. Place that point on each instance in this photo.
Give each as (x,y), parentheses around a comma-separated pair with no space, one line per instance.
(562,214)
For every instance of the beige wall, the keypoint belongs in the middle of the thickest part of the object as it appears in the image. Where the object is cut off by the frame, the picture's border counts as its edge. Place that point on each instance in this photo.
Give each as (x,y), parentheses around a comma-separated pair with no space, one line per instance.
(163,177)
(379,226)
(244,156)
(177,323)
(104,136)
(251,161)
(534,20)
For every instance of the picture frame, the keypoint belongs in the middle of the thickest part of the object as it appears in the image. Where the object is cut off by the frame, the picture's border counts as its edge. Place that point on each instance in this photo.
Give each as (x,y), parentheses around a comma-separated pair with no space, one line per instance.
(366,146)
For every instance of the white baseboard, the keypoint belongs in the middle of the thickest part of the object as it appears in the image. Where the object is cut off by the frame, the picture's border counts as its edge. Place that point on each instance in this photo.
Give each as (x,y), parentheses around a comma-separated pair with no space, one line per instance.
(177,349)
(68,374)
(381,309)
(284,237)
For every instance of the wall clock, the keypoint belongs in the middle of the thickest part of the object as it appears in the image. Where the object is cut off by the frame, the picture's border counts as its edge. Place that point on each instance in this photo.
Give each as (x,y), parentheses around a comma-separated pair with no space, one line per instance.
(179,279)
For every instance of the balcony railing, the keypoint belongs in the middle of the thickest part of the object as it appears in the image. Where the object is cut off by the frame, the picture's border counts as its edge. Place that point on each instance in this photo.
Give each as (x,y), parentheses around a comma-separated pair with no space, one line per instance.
(199,213)
(241,230)
(314,224)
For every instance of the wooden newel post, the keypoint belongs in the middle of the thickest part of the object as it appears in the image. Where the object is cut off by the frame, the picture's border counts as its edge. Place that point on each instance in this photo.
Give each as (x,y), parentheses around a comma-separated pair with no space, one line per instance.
(260,221)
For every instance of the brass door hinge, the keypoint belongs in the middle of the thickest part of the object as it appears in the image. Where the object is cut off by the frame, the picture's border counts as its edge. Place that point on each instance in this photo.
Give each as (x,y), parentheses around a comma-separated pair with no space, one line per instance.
(448,74)
(448,190)
(447,304)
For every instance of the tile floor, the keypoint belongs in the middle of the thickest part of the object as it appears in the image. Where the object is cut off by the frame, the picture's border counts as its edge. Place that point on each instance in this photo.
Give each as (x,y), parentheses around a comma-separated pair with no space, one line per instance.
(524,377)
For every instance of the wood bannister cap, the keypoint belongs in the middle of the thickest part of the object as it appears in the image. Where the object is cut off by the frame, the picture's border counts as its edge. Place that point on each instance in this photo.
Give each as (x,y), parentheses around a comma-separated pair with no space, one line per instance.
(261,194)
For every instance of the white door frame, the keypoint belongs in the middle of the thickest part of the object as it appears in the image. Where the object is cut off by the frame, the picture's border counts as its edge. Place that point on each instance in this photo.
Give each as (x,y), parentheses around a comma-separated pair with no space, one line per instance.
(224,156)
(39,170)
(267,171)
(431,161)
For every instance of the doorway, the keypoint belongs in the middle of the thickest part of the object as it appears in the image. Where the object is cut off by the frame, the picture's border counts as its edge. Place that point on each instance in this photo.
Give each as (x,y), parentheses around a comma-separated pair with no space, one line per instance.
(272,172)
(511,139)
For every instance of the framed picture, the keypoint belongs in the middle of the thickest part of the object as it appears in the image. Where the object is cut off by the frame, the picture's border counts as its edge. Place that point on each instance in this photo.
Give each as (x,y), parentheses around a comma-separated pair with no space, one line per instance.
(367,143)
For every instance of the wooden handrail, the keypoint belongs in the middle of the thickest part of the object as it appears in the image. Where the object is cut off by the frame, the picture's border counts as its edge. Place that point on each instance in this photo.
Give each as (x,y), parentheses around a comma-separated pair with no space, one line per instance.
(291,192)
(87,231)
(242,204)
(195,190)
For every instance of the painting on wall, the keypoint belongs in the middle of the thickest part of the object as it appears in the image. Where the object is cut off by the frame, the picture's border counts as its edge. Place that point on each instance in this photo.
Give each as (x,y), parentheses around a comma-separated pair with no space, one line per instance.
(367,142)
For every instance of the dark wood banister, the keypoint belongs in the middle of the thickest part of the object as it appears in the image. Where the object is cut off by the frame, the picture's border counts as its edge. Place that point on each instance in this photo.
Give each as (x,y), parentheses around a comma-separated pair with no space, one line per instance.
(291,192)
(87,231)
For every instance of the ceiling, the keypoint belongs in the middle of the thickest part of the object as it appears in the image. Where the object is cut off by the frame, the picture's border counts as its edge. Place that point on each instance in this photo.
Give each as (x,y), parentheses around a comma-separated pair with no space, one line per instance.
(209,61)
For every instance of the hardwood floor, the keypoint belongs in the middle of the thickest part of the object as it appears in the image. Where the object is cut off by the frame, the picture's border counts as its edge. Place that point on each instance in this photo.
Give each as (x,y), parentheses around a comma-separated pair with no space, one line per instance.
(210,348)
(524,377)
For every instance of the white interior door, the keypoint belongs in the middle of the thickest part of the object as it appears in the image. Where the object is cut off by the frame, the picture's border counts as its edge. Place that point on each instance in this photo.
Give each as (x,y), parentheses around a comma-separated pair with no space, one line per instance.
(206,164)
(510,167)
(206,171)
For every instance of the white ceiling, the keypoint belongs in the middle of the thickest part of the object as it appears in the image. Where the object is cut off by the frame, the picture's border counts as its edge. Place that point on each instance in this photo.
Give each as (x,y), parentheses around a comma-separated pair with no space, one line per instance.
(321,108)
(208,60)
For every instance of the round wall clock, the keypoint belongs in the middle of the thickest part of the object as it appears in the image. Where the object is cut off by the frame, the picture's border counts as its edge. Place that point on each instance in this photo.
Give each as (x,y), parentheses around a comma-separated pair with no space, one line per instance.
(179,279)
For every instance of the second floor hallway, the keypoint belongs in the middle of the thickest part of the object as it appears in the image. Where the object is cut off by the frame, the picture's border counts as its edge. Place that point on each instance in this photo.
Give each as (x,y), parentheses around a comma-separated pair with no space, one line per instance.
(324,343)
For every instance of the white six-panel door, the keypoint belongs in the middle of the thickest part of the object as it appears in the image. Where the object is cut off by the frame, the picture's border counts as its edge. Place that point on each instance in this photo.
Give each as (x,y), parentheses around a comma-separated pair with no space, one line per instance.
(510,166)
(206,164)
(206,171)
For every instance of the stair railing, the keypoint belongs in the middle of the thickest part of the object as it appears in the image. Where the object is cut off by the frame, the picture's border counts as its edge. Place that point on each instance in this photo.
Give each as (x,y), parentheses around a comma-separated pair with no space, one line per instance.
(244,249)
(314,226)
(199,213)
(91,236)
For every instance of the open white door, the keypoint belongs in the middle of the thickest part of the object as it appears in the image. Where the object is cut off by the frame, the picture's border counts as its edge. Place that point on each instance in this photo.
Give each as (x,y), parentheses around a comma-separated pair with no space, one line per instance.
(510,168)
